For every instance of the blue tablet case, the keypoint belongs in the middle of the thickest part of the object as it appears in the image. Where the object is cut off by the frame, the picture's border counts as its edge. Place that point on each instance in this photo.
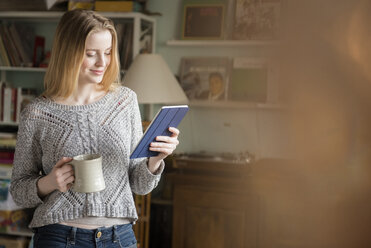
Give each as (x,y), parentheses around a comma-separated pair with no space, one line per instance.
(168,116)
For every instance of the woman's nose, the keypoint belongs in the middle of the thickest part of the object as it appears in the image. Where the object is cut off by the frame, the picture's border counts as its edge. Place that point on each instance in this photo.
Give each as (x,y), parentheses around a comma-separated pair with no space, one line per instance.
(101,61)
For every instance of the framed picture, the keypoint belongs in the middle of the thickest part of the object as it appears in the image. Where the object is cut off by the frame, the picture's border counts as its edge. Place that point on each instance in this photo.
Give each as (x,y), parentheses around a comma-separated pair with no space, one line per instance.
(249,80)
(205,78)
(257,19)
(203,21)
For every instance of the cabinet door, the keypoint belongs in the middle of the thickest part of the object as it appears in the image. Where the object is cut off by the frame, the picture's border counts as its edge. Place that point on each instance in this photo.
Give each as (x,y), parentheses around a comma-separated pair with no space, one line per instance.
(204,218)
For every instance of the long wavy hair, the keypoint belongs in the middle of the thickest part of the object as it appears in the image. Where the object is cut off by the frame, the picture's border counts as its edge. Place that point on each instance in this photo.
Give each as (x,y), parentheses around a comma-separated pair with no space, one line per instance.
(68,52)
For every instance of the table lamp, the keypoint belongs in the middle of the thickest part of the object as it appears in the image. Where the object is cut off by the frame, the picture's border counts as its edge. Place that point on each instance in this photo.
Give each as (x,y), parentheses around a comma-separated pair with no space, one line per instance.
(151,79)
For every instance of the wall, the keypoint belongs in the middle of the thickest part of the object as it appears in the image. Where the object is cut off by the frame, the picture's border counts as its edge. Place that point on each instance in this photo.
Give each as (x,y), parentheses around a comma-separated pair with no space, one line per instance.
(262,132)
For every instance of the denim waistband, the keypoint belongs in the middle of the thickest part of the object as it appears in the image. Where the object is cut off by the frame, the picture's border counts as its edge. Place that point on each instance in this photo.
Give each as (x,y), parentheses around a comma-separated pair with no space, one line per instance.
(73,233)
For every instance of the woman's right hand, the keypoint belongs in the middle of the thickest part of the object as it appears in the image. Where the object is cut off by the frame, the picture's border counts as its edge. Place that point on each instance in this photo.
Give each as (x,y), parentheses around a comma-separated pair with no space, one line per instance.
(60,178)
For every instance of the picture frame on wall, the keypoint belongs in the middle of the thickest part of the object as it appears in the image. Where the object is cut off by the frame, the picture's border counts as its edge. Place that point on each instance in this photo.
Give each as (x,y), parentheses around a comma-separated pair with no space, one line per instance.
(205,78)
(256,19)
(203,21)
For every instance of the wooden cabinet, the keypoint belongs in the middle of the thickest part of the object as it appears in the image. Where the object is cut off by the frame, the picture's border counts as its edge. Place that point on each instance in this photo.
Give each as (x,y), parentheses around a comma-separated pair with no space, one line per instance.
(213,206)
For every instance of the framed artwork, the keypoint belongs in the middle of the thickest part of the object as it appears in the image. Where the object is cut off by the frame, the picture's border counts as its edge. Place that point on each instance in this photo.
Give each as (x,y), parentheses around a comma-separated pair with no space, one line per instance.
(203,21)
(249,80)
(256,19)
(205,78)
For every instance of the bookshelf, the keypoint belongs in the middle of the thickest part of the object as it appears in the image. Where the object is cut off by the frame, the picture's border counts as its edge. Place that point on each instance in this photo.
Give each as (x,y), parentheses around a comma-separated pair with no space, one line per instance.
(139,37)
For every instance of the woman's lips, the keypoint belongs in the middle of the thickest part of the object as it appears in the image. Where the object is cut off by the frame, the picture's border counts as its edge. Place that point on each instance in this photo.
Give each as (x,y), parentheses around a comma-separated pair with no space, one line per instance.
(97,72)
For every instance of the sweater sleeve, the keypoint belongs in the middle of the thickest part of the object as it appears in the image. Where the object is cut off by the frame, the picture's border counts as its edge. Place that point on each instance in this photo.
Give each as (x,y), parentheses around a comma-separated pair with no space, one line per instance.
(142,181)
(27,164)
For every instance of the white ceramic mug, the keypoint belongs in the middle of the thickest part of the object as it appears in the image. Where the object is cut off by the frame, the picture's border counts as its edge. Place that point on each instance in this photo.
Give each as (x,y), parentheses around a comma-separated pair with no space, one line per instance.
(88,173)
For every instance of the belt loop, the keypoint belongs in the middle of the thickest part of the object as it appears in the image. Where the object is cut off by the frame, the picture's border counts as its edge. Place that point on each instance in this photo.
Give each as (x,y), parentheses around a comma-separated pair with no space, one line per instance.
(73,235)
(114,234)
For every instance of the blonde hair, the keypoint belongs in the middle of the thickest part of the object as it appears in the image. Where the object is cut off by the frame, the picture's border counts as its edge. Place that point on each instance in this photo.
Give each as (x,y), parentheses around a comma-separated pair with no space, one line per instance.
(68,52)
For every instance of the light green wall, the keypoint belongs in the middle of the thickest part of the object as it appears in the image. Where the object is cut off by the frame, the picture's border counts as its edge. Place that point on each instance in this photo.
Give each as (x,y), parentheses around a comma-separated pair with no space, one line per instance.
(262,132)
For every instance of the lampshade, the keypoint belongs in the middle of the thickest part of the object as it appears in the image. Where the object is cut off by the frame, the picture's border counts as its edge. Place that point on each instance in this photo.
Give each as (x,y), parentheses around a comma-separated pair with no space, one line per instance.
(151,79)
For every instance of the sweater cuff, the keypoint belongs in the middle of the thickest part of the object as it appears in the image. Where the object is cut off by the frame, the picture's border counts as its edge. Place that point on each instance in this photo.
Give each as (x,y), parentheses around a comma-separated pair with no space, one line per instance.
(35,193)
(159,170)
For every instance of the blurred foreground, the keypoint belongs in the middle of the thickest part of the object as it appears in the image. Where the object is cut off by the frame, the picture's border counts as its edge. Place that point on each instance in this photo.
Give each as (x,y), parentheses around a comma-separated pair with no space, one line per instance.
(323,198)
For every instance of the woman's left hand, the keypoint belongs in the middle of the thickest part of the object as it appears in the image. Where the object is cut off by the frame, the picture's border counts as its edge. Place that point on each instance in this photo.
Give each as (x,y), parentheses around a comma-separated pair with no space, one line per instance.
(165,145)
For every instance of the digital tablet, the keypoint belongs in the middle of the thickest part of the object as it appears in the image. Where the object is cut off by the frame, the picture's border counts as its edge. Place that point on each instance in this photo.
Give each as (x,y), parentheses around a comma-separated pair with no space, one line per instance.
(167,116)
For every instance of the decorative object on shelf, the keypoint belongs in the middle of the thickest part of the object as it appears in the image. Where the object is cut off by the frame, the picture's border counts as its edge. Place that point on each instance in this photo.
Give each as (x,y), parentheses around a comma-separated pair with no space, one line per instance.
(39,50)
(57,4)
(22,5)
(203,21)
(249,80)
(150,77)
(205,78)
(256,19)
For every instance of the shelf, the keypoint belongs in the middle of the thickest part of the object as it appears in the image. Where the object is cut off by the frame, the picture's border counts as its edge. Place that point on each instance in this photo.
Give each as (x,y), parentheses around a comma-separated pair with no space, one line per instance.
(236,105)
(160,201)
(191,43)
(42,15)
(2,123)
(17,68)
(25,233)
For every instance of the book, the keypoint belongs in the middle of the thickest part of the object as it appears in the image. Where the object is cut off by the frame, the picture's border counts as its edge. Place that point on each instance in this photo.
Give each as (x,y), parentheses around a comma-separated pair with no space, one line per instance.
(82,4)
(38,52)
(117,6)
(7,104)
(205,78)
(8,143)
(5,171)
(167,116)
(3,53)
(16,38)
(9,46)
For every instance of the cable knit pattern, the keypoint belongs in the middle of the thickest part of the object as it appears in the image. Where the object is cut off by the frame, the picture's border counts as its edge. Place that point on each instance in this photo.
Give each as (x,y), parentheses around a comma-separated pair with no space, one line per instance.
(49,131)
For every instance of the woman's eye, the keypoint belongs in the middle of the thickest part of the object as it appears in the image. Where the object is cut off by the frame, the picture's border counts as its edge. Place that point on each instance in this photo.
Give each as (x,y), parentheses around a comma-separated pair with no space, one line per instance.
(108,53)
(90,54)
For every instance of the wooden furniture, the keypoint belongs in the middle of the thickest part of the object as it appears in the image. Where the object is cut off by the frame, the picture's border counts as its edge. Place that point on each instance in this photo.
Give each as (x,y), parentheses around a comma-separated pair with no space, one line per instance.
(141,228)
(213,205)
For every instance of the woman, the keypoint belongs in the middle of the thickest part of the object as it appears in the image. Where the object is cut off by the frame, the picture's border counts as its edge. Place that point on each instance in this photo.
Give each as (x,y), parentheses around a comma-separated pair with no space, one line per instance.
(83,110)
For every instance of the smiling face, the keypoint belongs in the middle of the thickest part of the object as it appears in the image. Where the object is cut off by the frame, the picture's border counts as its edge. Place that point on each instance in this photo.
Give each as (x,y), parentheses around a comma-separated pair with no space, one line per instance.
(97,57)
(216,84)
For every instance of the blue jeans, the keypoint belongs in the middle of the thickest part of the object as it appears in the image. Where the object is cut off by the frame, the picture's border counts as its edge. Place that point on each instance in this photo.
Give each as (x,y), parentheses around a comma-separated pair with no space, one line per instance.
(62,236)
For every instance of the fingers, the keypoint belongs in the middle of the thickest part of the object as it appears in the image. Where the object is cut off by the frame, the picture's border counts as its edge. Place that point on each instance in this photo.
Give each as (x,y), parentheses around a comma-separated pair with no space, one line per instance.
(162,150)
(175,131)
(167,139)
(163,145)
(62,161)
(63,174)
(166,145)
(64,180)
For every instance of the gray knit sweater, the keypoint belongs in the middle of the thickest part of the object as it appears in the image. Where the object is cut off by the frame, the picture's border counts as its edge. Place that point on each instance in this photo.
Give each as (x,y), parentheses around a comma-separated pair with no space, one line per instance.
(49,131)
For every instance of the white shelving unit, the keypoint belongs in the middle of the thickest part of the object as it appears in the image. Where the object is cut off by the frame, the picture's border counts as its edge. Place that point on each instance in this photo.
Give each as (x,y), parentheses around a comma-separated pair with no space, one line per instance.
(37,18)
(224,43)
(138,20)
(236,105)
